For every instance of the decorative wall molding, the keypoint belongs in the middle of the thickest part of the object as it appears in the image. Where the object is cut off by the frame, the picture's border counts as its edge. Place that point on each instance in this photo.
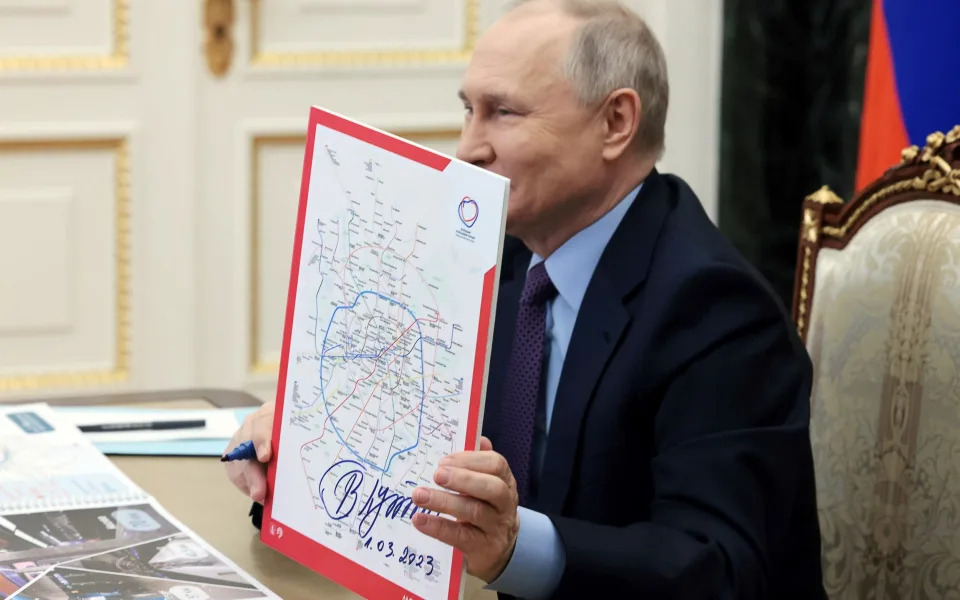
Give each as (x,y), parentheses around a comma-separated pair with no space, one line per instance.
(119,371)
(117,58)
(364,58)
(20,7)
(379,5)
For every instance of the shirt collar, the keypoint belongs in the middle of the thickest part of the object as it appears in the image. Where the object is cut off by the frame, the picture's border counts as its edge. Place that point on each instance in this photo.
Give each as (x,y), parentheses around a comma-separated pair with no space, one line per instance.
(571,266)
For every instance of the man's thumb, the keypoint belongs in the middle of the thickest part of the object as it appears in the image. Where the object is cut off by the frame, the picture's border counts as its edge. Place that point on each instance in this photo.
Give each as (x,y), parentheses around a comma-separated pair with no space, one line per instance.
(264,451)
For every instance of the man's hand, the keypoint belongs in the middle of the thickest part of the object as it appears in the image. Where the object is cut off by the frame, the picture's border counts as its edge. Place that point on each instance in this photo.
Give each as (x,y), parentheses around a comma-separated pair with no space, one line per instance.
(251,476)
(485,508)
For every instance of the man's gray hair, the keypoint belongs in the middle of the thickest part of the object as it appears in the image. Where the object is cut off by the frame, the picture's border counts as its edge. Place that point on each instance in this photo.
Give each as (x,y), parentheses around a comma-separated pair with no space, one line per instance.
(613,49)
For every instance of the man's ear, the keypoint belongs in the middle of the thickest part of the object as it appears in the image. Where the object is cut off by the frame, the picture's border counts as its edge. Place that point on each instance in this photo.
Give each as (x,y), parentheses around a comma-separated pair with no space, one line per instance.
(621,113)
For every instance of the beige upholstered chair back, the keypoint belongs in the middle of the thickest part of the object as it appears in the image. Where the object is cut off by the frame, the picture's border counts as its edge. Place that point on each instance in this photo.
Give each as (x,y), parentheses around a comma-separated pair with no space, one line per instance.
(878,305)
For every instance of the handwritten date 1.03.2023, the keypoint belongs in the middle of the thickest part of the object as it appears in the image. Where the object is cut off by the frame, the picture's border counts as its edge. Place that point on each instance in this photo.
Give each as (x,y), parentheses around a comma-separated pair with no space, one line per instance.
(407,557)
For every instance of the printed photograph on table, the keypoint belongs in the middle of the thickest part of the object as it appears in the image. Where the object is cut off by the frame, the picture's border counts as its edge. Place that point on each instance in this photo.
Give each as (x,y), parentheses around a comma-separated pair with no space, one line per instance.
(177,558)
(65,583)
(115,552)
(33,542)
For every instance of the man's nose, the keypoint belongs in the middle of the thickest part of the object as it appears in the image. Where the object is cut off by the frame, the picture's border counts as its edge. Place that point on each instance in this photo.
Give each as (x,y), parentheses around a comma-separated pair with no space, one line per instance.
(473,147)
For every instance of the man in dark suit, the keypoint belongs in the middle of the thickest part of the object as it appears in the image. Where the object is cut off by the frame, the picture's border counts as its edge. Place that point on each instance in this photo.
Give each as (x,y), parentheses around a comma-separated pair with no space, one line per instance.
(648,399)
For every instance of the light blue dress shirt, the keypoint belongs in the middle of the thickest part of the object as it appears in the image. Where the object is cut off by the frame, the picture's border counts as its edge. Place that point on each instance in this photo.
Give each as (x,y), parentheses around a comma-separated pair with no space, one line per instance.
(538,558)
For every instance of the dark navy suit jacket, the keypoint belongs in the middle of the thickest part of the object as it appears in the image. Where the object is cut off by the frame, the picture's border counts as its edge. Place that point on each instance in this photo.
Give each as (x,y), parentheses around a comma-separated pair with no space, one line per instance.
(678,463)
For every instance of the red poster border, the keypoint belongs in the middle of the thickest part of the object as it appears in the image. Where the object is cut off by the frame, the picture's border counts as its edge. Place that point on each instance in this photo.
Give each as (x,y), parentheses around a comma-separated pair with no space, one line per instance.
(297,546)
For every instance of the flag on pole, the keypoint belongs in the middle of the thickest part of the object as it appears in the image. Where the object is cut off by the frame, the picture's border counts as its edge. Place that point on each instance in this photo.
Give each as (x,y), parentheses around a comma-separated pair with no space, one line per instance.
(912,80)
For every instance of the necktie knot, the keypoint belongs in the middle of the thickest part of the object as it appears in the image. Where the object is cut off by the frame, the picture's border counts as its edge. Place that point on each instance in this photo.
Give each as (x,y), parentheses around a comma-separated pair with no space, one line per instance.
(537,288)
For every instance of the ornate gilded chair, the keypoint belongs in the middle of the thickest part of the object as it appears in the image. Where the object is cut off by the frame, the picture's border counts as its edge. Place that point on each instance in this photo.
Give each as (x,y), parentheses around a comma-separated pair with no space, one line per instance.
(877,303)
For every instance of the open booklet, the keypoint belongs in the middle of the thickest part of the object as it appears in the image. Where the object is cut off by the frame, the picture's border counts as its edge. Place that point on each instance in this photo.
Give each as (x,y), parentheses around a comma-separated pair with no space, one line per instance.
(72,525)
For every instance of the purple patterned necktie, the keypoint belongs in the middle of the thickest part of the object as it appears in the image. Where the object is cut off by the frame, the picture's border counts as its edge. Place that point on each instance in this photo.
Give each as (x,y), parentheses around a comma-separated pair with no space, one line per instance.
(522,389)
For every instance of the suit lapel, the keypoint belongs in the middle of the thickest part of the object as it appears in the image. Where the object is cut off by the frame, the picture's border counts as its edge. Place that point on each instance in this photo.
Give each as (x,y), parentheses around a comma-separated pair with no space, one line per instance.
(516,257)
(601,324)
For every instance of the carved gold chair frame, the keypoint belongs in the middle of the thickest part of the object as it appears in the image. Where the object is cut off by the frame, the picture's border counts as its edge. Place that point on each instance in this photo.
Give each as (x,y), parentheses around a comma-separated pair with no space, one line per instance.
(929,173)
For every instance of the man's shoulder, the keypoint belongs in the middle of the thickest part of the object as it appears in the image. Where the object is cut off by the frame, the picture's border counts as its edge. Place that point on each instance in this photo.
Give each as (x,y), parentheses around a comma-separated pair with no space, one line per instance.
(700,293)
(699,288)
(693,255)
(689,234)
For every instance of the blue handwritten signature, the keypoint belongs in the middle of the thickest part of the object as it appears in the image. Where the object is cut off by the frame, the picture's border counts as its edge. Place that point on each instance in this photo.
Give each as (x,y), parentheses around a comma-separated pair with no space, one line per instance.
(341,490)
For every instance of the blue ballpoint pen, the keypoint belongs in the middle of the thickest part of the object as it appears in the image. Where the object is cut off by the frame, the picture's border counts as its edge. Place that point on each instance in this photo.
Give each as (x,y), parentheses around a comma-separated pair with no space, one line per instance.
(245,451)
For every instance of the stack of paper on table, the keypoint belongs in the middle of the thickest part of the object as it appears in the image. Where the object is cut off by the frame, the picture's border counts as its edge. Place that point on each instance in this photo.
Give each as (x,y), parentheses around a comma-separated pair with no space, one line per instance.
(212,440)
(72,525)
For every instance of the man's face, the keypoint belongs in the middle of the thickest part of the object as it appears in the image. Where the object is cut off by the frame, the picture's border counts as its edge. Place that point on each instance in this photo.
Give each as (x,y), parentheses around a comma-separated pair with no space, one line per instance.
(524,122)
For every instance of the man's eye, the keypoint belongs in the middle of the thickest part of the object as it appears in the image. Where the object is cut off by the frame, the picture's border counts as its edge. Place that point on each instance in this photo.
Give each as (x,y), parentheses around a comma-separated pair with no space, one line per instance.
(504,112)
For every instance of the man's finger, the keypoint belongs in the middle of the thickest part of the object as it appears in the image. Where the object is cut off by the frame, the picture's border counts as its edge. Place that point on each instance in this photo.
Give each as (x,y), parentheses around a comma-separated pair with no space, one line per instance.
(264,450)
(461,536)
(464,508)
(238,478)
(256,481)
(485,444)
(482,461)
(262,431)
(250,476)
(482,486)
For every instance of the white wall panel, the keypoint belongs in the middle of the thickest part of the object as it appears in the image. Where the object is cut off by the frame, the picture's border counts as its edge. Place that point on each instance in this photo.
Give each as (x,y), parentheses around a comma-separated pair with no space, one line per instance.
(690,32)
(348,33)
(64,252)
(285,26)
(25,7)
(396,6)
(42,35)
(38,254)
(277,164)
(98,125)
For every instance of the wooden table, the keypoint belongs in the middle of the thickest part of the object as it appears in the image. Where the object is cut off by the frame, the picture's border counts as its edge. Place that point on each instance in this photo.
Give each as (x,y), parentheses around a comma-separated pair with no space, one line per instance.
(197,492)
